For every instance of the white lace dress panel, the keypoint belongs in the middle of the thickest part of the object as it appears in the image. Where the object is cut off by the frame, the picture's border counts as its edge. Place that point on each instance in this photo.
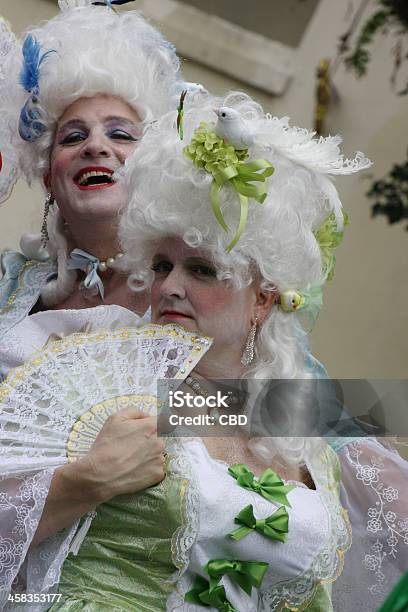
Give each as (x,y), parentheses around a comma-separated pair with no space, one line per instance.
(374,490)
(318,536)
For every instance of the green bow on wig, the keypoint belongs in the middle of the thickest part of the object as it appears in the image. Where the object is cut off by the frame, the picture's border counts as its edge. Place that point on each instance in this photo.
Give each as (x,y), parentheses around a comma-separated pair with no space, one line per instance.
(209,152)
(329,237)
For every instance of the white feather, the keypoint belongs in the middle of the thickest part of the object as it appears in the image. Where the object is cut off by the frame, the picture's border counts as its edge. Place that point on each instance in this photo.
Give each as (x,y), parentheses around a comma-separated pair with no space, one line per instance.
(319,154)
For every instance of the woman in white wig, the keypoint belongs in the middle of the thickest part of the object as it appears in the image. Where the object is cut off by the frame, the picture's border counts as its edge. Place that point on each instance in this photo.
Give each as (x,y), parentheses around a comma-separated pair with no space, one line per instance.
(233,229)
(75,95)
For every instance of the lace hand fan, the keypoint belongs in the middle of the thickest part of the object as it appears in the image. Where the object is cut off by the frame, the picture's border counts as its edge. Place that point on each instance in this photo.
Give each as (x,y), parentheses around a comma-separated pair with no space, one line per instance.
(53,406)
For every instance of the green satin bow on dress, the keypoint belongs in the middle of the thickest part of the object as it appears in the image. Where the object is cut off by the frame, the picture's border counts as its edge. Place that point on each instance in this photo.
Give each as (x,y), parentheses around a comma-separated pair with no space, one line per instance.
(200,594)
(274,526)
(247,574)
(269,485)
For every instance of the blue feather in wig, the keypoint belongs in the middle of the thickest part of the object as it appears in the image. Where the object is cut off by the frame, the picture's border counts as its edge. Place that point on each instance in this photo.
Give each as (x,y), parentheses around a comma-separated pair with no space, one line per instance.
(30,126)
(32,61)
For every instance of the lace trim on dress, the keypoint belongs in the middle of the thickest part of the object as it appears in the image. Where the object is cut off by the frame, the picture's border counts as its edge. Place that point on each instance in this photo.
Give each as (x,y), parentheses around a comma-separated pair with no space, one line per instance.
(31,279)
(185,536)
(21,504)
(327,565)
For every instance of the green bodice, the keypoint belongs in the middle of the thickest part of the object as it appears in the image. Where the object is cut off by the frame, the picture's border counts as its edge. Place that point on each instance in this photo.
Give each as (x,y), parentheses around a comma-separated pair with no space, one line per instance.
(125,561)
(129,558)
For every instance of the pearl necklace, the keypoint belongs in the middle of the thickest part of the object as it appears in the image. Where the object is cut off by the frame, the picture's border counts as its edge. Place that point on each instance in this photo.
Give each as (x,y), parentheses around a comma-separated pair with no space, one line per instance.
(109,262)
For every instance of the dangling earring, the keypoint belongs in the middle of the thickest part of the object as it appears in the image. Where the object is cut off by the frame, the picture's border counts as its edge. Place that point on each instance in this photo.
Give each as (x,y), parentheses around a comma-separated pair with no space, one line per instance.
(249,350)
(44,231)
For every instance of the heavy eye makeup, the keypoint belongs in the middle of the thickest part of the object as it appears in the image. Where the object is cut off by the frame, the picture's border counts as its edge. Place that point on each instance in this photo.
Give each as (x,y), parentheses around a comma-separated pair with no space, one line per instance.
(197,267)
(74,132)
(123,129)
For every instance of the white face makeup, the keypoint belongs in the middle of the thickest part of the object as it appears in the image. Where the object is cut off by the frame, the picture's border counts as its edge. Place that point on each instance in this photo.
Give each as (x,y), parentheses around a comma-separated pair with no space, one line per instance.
(94,137)
(186,290)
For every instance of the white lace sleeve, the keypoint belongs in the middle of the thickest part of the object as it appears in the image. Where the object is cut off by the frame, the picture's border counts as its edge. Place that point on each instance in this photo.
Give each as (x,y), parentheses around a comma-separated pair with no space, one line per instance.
(374,490)
(25,569)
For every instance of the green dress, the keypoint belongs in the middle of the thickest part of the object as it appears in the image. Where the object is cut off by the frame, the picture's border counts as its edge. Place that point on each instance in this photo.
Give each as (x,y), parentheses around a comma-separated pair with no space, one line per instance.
(126,559)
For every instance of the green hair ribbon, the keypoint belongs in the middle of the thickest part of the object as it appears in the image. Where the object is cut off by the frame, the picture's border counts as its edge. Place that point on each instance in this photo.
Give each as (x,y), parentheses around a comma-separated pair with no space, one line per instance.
(180,112)
(226,165)
(329,238)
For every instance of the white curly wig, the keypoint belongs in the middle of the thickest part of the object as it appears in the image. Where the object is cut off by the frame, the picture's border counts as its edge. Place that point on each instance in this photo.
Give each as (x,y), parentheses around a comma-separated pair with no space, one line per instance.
(95,50)
(169,196)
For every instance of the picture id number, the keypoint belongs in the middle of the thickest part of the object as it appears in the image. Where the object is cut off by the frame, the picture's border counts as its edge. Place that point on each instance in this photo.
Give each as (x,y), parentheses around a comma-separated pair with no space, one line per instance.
(34,597)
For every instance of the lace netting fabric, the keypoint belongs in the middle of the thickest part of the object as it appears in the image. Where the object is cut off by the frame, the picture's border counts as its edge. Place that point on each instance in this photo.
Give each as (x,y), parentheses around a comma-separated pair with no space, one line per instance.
(374,490)
(25,569)
(185,536)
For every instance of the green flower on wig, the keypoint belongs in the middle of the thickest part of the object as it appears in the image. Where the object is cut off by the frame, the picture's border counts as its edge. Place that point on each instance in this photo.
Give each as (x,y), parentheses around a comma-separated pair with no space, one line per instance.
(209,152)
(226,164)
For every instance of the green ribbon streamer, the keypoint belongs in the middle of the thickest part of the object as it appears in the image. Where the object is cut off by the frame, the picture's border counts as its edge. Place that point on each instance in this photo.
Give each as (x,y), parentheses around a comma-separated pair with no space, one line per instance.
(247,574)
(274,526)
(201,595)
(397,600)
(269,485)
(239,176)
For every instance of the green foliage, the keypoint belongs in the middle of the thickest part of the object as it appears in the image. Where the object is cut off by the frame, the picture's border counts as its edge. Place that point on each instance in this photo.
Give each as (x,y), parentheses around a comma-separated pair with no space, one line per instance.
(359,59)
(391,13)
(390,194)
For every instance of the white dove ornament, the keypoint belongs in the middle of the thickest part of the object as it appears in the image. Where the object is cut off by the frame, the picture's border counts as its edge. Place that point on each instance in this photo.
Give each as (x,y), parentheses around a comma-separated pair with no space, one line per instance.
(233,129)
